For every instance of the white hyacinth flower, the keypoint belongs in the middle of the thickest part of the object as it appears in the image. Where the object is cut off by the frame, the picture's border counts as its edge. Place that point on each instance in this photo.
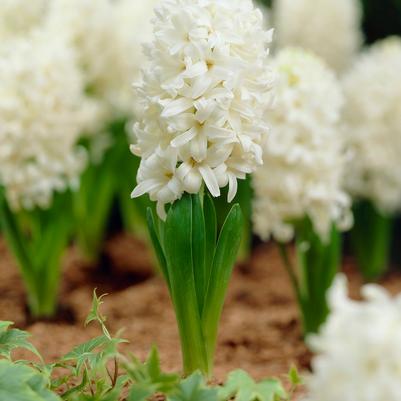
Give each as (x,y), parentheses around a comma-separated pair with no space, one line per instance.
(107,36)
(329,28)
(18,17)
(42,113)
(204,95)
(303,159)
(359,348)
(373,122)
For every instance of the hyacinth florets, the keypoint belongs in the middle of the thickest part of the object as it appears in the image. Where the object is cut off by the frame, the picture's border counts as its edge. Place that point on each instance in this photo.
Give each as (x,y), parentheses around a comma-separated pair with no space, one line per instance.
(106,36)
(373,125)
(18,17)
(329,28)
(203,95)
(359,348)
(42,113)
(303,158)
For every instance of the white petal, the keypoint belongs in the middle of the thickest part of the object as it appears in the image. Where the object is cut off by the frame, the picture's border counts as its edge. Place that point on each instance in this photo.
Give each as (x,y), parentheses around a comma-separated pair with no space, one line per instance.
(210,180)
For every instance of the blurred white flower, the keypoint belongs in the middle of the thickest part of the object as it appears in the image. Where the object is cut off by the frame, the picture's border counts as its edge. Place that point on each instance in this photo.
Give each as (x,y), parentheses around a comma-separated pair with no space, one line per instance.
(107,36)
(42,113)
(329,28)
(303,159)
(373,121)
(18,17)
(204,95)
(133,28)
(358,349)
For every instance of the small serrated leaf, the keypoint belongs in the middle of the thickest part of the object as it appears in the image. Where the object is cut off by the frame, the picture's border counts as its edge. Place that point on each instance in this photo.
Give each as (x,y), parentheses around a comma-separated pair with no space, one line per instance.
(293,375)
(149,375)
(95,315)
(193,388)
(22,383)
(241,387)
(11,339)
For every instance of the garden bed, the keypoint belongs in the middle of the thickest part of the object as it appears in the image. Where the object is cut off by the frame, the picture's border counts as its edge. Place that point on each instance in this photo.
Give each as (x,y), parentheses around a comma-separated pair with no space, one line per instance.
(259,332)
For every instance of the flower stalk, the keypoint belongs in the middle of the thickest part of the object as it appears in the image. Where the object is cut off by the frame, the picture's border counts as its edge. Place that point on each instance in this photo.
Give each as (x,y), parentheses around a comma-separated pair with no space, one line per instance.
(317,263)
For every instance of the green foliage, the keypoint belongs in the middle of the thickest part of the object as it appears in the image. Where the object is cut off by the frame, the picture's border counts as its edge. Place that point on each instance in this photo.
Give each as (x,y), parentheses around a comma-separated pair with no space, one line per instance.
(38,239)
(241,387)
(193,388)
(11,339)
(98,188)
(23,383)
(97,371)
(197,265)
(371,240)
(317,263)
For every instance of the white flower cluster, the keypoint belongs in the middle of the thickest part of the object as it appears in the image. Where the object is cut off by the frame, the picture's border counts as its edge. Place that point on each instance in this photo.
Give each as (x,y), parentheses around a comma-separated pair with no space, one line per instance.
(303,159)
(42,113)
(330,28)
(107,36)
(373,121)
(18,17)
(204,96)
(359,348)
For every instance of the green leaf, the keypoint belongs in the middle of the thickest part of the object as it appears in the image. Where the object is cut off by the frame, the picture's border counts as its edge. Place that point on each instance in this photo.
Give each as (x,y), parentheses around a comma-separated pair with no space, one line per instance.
(199,250)
(22,383)
(140,393)
(371,246)
(92,353)
(11,339)
(193,389)
(157,246)
(178,251)
(149,376)
(295,378)
(241,387)
(223,263)
(211,233)
(95,315)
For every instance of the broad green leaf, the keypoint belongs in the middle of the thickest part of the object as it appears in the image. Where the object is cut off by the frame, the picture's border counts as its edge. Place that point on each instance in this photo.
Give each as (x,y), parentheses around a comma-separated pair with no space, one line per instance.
(199,250)
(241,387)
(178,251)
(11,339)
(211,233)
(140,392)
(223,263)
(193,389)
(157,246)
(15,241)
(22,383)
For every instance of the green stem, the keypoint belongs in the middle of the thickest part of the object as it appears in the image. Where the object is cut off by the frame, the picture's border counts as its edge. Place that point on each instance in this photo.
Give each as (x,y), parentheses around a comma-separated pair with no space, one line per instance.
(371,239)
(38,240)
(317,265)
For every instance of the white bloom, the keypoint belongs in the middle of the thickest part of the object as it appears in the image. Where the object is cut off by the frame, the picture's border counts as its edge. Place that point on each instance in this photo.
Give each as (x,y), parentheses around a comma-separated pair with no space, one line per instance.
(107,36)
(204,95)
(133,28)
(303,159)
(359,348)
(330,28)
(17,17)
(42,113)
(373,118)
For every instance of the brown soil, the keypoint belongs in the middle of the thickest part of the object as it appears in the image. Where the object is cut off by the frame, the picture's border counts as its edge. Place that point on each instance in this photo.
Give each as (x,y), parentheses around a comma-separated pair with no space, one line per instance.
(260,330)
